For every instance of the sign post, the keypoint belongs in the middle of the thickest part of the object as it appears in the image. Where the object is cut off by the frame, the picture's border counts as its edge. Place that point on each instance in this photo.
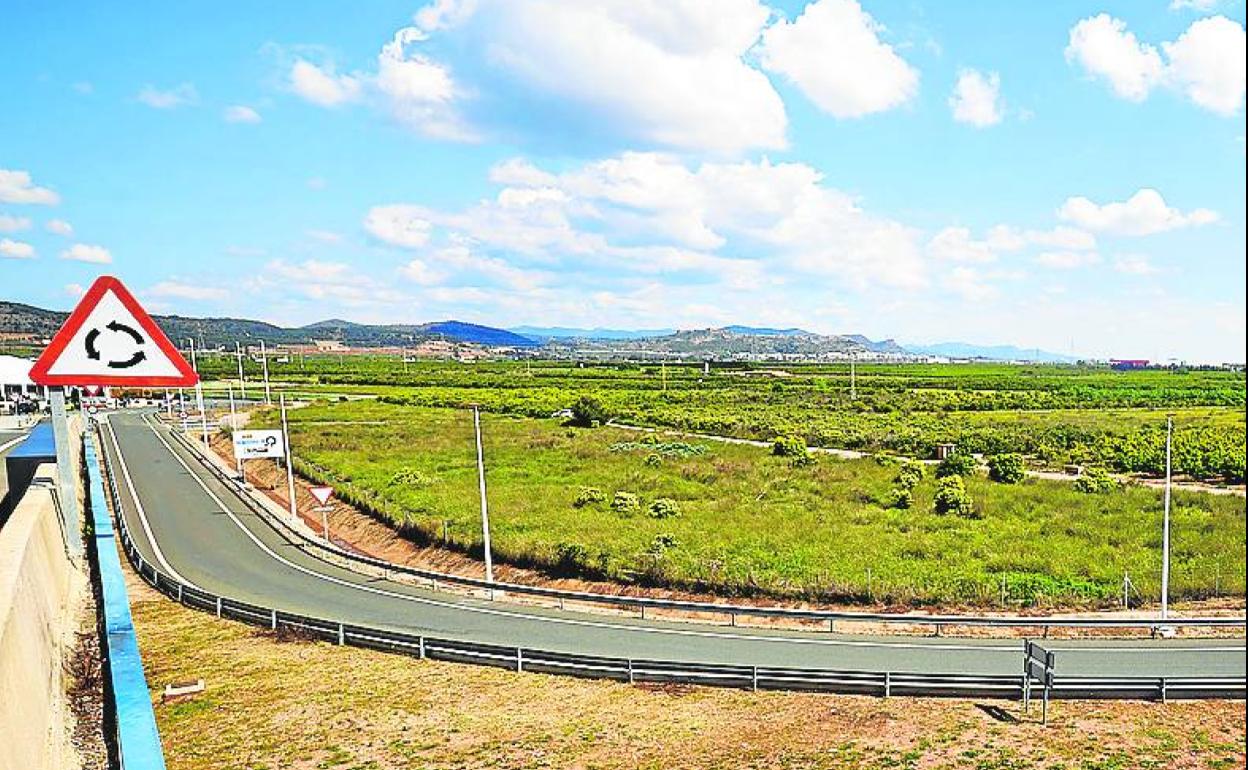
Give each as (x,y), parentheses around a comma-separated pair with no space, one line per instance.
(109,339)
(322,495)
(290,465)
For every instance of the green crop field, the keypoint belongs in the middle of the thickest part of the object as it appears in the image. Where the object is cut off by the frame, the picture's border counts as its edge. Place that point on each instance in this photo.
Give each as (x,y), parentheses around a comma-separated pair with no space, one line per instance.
(739,520)
(1056,415)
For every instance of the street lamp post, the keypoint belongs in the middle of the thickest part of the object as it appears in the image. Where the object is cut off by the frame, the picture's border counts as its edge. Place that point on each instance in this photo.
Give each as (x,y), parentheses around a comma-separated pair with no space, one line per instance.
(485,512)
(1165,529)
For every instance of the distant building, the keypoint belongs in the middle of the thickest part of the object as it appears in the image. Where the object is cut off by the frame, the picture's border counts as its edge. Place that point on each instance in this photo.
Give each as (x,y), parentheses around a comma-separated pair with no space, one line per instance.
(1123,364)
(16,386)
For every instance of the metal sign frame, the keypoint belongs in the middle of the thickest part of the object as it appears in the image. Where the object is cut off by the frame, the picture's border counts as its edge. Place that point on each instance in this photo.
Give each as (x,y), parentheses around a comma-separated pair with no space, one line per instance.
(103,285)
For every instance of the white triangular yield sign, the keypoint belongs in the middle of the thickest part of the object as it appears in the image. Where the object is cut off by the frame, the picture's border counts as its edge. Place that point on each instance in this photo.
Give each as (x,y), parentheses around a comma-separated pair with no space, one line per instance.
(322,494)
(110,340)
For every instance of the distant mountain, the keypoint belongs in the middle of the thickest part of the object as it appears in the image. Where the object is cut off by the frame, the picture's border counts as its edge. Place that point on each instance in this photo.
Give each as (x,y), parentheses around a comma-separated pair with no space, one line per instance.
(757,331)
(37,324)
(989,352)
(481,335)
(564,332)
(883,346)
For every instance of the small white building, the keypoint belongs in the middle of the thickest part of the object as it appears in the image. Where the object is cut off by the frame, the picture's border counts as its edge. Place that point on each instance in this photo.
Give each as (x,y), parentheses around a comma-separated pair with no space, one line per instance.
(16,385)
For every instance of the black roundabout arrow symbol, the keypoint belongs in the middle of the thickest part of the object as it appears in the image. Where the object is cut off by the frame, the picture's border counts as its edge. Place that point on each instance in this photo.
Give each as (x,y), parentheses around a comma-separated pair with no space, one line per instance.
(118,326)
(134,360)
(92,353)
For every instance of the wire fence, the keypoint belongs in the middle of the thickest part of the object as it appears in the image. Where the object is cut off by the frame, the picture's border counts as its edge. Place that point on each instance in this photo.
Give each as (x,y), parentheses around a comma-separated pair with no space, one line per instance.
(625,669)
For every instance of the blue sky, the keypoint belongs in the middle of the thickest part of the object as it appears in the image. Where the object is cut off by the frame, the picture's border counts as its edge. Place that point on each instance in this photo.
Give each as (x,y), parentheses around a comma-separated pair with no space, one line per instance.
(1065,175)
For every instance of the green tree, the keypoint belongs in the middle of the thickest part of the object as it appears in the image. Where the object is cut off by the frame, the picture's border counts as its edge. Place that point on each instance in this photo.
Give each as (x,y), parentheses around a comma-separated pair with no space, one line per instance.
(1007,468)
(952,498)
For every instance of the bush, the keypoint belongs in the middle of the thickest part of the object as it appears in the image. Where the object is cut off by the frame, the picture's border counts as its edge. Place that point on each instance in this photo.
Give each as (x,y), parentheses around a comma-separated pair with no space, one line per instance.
(900,497)
(588,496)
(1006,468)
(662,542)
(956,465)
(951,497)
(654,460)
(802,461)
(625,503)
(911,473)
(1095,481)
(789,446)
(412,478)
(588,412)
(571,556)
(664,508)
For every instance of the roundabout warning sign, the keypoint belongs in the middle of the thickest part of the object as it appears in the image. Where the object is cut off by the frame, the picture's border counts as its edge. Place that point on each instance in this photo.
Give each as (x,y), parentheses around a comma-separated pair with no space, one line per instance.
(110,339)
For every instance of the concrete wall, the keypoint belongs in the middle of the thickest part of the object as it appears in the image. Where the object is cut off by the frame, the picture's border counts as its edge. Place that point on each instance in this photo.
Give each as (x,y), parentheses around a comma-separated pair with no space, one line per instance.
(40,592)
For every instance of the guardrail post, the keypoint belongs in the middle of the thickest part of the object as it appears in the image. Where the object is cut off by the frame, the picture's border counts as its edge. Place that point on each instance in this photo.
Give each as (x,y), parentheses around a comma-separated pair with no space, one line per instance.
(218,606)
(630,671)
(888,684)
(831,625)
(421,642)
(1164,698)
(273,623)
(342,635)
(754,678)
(179,593)
(643,612)
(939,628)
(519,659)
(732,619)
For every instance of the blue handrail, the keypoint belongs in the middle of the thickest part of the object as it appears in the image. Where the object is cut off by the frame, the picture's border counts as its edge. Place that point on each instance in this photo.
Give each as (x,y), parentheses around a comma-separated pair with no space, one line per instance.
(138,742)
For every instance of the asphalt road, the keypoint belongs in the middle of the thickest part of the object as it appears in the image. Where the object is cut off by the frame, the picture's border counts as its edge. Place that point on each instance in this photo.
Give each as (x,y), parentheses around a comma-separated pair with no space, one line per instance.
(192,526)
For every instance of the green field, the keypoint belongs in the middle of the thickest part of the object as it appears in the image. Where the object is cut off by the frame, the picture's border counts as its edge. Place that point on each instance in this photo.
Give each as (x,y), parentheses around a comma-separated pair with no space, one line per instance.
(753,523)
(1056,415)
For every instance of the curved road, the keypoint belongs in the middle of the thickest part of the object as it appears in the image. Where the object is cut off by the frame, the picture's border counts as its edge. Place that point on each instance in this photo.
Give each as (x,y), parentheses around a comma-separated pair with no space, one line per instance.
(194,527)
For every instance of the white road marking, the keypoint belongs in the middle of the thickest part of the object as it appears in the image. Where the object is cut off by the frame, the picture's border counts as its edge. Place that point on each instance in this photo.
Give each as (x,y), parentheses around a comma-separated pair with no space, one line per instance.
(138,506)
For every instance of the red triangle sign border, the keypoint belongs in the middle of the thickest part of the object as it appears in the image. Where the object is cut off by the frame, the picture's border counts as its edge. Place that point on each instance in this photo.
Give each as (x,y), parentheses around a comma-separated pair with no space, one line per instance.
(102,285)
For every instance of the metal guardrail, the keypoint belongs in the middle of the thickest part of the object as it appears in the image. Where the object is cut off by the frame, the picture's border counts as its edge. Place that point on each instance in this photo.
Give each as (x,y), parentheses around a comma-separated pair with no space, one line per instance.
(641,603)
(518,658)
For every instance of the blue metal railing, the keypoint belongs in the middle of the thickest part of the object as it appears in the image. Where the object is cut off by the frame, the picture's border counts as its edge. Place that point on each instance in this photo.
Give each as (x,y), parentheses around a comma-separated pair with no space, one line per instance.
(137,740)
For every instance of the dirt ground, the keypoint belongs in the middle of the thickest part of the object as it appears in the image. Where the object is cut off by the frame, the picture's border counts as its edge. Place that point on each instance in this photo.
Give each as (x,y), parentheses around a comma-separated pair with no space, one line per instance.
(274,703)
(357,531)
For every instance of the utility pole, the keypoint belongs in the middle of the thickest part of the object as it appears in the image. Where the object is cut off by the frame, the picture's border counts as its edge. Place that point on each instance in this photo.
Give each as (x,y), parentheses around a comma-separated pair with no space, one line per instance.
(199,395)
(264,359)
(242,382)
(234,427)
(290,461)
(485,512)
(1165,529)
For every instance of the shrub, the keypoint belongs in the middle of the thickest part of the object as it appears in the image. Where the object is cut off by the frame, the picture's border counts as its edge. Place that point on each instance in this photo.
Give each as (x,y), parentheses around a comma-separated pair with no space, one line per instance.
(654,460)
(571,556)
(588,412)
(899,497)
(951,497)
(789,446)
(412,478)
(625,503)
(588,496)
(664,448)
(664,508)
(1095,481)
(956,464)
(1006,468)
(662,542)
(911,473)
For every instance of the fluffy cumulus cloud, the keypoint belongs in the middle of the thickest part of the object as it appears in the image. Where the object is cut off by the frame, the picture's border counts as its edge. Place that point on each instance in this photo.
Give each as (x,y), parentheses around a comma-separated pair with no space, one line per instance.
(322,85)
(336,282)
(13,224)
(16,249)
(976,99)
(1144,213)
(240,113)
(957,244)
(168,98)
(18,187)
(834,54)
(59,227)
(82,252)
(189,291)
(1205,63)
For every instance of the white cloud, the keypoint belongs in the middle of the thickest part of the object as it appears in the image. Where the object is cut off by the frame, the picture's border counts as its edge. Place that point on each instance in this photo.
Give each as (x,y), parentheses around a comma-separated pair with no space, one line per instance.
(75,289)
(187,291)
(956,244)
(968,283)
(59,227)
(833,53)
(17,187)
(12,224)
(1067,260)
(82,252)
(1144,213)
(420,92)
(400,225)
(329,281)
(1201,6)
(976,99)
(1130,264)
(1205,63)
(420,272)
(672,72)
(518,171)
(16,249)
(240,113)
(322,85)
(168,99)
